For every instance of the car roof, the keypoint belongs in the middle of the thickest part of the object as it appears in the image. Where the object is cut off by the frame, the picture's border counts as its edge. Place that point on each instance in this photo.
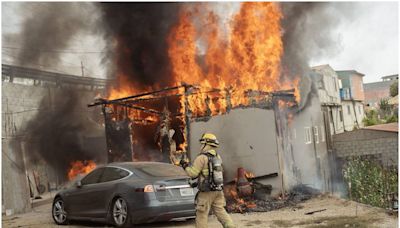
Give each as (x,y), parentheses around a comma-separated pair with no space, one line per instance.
(132,165)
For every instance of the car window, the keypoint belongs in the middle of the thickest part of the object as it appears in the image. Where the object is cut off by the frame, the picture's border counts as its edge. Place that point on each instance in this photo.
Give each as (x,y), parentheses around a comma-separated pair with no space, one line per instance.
(112,173)
(92,177)
(162,170)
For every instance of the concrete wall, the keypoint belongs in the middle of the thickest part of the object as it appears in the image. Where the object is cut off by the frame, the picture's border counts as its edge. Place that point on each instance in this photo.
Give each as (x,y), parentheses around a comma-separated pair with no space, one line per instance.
(337,124)
(308,138)
(353,114)
(357,89)
(248,140)
(381,145)
(328,91)
(20,103)
(376,91)
(15,188)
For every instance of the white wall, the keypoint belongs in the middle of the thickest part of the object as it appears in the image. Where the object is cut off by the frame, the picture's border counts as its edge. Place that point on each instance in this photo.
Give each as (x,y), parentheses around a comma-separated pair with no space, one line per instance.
(247,139)
(353,112)
(309,147)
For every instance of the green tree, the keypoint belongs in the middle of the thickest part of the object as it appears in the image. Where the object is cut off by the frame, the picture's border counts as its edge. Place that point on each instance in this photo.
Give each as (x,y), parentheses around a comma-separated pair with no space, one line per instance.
(371,118)
(394,89)
(369,182)
(385,107)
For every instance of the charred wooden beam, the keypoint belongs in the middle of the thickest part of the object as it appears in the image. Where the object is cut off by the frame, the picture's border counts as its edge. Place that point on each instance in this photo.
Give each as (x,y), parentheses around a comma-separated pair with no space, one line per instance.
(147,110)
(148,93)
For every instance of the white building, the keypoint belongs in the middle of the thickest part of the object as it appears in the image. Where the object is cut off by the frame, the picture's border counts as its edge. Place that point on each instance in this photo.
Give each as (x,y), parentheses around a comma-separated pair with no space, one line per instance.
(352,96)
(328,86)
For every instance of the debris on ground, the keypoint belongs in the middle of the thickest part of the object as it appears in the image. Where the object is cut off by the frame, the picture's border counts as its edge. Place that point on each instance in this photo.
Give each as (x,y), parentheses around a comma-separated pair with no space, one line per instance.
(297,195)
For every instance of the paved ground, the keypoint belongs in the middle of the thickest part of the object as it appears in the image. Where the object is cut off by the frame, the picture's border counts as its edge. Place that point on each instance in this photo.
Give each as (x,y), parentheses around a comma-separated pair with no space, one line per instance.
(338,213)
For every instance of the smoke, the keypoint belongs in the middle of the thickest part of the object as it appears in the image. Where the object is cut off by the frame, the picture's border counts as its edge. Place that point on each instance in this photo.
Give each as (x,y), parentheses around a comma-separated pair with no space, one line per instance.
(56,133)
(137,36)
(309,32)
(48,27)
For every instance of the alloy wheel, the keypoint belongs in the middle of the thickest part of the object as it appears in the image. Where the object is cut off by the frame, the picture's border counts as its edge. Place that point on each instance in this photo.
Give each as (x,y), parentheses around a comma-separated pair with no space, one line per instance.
(59,213)
(120,212)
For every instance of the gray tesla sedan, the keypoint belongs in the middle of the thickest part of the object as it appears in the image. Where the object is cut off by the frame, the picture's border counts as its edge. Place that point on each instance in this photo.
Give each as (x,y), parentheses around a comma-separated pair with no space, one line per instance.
(127,193)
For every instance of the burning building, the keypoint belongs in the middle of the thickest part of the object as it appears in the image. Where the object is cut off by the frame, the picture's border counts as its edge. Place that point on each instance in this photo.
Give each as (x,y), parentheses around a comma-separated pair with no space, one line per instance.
(232,82)
(181,69)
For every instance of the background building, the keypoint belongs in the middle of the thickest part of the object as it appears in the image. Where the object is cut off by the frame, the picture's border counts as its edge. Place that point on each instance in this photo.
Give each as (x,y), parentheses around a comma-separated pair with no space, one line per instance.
(329,95)
(376,91)
(352,97)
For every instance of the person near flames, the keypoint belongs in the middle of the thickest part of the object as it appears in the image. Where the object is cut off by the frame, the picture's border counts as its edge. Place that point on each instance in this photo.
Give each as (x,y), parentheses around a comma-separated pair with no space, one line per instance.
(207,167)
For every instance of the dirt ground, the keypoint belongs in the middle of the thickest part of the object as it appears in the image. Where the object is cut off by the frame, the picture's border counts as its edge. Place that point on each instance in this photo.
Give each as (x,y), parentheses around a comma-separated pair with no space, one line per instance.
(336,213)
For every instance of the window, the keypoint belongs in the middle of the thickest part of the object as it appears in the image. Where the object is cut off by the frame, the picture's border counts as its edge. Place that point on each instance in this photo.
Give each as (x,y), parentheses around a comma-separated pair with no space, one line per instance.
(316,135)
(112,173)
(348,110)
(92,177)
(322,134)
(340,115)
(307,135)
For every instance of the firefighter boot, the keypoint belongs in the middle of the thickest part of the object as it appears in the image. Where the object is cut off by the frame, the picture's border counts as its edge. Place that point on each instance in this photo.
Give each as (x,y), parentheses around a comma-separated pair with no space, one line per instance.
(212,200)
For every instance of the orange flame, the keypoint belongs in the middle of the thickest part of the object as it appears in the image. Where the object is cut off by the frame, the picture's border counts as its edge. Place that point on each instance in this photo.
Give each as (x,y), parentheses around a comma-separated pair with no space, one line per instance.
(248,58)
(227,69)
(80,167)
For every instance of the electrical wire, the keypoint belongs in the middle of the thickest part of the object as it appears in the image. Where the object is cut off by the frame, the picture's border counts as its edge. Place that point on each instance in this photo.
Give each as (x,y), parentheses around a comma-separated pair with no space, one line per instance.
(55,51)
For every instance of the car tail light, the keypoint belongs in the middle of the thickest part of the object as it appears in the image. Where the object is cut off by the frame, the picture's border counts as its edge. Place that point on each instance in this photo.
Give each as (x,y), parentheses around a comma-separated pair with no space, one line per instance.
(148,188)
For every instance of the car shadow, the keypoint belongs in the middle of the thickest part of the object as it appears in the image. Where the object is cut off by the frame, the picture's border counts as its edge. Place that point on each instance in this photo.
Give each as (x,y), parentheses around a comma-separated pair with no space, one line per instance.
(87,224)
(188,222)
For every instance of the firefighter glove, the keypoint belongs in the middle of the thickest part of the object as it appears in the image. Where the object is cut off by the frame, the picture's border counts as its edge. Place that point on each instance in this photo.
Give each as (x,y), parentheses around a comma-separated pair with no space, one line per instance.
(183,163)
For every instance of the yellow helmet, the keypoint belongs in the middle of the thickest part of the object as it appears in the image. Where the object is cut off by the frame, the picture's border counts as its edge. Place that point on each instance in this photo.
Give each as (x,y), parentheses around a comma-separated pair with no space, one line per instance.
(209,139)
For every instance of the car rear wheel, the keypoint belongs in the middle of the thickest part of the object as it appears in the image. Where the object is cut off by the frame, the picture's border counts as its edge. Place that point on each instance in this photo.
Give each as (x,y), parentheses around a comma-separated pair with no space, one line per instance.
(119,213)
(59,213)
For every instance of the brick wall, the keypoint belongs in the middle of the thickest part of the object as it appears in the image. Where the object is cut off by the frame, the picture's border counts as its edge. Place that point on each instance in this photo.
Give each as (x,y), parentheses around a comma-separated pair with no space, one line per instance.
(378,145)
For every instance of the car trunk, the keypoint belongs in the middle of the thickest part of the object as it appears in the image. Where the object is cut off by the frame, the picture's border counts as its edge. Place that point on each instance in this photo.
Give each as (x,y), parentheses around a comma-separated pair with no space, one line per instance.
(173,189)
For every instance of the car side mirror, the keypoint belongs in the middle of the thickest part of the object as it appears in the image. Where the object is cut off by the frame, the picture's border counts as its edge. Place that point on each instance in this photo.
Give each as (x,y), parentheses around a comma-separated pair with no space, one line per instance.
(78,184)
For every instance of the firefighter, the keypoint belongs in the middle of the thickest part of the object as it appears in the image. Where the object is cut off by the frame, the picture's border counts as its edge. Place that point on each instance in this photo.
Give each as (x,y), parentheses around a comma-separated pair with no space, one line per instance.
(207,167)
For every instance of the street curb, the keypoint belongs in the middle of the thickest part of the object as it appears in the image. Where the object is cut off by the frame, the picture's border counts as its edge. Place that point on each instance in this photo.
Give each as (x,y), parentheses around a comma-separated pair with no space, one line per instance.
(37,203)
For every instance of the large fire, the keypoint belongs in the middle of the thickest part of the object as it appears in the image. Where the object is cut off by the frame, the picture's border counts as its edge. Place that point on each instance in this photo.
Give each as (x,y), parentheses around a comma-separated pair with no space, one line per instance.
(80,167)
(229,65)
(248,58)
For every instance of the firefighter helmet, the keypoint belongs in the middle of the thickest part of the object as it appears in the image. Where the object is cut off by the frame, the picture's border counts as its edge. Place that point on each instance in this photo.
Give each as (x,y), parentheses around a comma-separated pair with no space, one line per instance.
(209,139)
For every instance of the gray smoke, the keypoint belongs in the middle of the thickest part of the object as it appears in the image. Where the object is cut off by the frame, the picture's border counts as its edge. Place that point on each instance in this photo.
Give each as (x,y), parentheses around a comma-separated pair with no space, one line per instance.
(49,27)
(309,32)
(137,36)
(57,132)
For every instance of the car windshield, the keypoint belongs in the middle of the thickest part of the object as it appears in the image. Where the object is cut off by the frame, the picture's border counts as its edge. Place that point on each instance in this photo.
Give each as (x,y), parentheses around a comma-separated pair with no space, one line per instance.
(161,170)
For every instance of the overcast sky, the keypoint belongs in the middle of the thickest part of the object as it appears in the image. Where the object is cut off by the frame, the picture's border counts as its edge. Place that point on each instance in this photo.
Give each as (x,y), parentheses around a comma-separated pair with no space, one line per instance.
(368,42)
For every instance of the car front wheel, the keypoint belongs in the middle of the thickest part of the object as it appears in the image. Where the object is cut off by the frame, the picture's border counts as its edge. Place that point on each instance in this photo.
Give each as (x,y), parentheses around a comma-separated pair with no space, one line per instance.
(119,213)
(59,213)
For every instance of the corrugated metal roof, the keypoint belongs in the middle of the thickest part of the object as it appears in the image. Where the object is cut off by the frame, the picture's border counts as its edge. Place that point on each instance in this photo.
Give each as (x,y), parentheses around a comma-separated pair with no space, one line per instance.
(392,127)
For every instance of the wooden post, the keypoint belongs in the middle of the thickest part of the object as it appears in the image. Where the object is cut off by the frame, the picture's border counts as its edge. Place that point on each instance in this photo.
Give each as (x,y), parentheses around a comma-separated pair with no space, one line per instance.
(187,121)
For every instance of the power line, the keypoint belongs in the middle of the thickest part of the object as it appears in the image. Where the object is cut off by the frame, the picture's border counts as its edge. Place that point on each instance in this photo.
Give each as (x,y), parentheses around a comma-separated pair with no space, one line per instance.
(56,51)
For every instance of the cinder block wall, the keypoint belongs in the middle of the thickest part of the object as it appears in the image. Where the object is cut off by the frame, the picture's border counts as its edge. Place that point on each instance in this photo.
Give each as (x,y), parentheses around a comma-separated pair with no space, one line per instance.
(21,103)
(379,145)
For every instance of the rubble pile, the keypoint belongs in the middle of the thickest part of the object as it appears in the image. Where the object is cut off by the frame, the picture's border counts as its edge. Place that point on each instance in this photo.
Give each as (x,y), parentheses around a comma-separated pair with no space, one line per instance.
(297,195)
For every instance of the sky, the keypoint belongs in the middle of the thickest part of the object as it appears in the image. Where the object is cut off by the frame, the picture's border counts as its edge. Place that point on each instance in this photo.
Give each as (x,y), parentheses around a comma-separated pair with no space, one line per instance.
(366,42)
(369,43)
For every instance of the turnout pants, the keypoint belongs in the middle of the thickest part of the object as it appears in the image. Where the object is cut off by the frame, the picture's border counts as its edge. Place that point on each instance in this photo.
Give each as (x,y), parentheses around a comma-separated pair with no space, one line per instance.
(214,201)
